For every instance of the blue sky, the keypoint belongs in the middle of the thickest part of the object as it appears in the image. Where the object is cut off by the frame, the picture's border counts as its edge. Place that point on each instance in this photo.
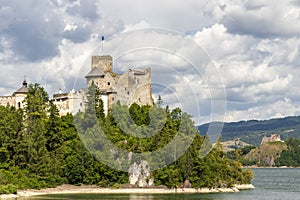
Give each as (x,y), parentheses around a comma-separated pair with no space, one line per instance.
(254,45)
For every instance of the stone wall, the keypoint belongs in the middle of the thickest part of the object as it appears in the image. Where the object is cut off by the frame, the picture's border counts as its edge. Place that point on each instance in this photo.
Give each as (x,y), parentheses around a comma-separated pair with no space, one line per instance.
(7,100)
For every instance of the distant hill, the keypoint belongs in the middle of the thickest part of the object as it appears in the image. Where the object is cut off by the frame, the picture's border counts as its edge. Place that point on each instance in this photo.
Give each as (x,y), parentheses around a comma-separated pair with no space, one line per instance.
(252,131)
(266,154)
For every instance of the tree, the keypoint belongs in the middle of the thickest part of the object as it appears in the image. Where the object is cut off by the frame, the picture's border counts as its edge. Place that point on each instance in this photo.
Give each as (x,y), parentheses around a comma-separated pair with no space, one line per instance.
(37,102)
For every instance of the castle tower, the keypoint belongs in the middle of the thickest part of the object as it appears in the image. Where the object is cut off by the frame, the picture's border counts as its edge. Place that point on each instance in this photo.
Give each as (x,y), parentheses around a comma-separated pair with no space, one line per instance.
(20,95)
(102,62)
(134,86)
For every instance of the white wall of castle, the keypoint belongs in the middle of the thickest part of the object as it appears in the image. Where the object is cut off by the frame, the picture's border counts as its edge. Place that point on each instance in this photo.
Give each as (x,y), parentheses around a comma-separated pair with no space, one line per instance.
(16,101)
(7,100)
(19,100)
(104,98)
(72,102)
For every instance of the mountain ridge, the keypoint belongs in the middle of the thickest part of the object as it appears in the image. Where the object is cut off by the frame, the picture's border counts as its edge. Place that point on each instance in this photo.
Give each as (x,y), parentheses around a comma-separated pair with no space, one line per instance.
(252,131)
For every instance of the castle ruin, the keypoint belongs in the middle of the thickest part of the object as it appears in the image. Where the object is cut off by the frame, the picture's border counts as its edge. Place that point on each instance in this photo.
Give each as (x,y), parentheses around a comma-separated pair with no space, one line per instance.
(272,138)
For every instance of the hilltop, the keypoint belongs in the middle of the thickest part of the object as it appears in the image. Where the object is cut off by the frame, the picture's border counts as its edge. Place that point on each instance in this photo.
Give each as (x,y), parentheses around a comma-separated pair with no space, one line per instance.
(253,131)
(267,153)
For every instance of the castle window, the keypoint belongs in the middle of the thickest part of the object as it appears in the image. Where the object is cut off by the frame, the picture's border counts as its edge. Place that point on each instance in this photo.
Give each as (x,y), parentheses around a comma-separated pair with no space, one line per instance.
(139,99)
(108,83)
(81,104)
(128,92)
(112,98)
(19,104)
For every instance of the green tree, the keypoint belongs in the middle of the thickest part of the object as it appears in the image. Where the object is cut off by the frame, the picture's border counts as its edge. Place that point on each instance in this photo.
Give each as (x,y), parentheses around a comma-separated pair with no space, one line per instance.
(37,102)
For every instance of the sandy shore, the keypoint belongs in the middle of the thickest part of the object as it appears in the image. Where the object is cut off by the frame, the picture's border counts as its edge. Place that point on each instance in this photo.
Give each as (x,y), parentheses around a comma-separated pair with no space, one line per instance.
(71,189)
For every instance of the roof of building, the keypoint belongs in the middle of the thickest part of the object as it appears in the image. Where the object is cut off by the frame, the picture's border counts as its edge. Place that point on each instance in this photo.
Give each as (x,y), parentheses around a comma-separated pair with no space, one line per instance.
(23,89)
(95,72)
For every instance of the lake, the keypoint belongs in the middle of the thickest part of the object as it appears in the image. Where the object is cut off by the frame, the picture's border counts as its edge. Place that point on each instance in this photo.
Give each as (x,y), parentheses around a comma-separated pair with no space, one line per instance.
(270,183)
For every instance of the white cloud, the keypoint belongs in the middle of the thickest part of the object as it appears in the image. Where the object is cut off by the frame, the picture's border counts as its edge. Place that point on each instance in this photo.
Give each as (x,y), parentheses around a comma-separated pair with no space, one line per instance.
(260,19)
(280,108)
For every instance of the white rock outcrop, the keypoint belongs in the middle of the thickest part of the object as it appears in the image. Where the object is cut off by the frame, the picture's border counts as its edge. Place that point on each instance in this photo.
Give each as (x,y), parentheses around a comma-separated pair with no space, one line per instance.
(139,174)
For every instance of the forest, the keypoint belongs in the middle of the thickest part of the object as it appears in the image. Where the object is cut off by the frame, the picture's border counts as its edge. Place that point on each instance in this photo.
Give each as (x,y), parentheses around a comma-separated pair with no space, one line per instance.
(40,149)
(291,156)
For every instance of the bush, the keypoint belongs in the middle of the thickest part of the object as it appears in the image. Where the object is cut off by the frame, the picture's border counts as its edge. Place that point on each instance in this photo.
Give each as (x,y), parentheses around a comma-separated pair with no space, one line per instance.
(8,189)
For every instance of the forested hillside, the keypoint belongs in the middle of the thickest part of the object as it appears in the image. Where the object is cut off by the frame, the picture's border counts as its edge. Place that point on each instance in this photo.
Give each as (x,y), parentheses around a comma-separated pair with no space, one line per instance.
(252,131)
(38,148)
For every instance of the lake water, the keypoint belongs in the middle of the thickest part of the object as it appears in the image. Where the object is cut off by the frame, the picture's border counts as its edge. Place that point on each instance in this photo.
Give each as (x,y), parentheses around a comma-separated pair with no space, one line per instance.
(271,184)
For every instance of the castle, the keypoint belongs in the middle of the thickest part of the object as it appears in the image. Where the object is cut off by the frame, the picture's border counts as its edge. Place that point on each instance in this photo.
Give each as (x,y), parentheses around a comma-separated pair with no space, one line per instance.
(134,86)
(272,138)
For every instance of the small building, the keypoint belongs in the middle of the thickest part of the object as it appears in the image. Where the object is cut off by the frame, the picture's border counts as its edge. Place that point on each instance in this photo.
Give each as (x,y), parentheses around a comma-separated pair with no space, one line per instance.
(17,98)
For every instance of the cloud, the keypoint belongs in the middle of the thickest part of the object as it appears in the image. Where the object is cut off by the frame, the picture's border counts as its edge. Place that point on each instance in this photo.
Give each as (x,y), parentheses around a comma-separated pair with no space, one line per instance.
(31,35)
(86,9)
(280,108)
(260,19)
(253,49)
(184,16)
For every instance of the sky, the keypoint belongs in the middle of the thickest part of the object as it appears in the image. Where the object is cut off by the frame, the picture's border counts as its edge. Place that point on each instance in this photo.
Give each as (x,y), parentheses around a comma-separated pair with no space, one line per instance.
(243,54)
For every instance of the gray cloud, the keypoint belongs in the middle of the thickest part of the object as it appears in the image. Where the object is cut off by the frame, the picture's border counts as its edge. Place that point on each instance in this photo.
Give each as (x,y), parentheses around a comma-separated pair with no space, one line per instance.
(84,8)
(262,19)
(31,29)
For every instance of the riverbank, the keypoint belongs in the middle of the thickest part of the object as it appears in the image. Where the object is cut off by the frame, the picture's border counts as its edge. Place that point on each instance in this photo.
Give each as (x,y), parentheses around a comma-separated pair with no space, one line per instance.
(71,189)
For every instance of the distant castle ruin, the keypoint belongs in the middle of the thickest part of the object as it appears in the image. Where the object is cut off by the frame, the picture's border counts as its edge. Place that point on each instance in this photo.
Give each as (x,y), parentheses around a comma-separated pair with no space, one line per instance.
(134,86)
(272,138)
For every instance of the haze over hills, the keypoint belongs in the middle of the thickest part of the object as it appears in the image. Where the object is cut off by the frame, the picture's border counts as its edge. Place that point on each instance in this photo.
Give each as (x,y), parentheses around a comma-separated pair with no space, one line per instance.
(252,131)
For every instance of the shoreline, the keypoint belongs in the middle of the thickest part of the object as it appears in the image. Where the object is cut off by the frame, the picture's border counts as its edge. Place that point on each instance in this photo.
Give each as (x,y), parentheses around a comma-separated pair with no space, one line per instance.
(268,167)
(71,189)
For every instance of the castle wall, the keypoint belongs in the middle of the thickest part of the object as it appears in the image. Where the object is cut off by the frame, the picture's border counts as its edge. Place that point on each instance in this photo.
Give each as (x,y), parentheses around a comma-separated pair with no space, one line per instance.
(104,98)
(76,101)
(135,87)
(72,102)
(19,100)
(7,100)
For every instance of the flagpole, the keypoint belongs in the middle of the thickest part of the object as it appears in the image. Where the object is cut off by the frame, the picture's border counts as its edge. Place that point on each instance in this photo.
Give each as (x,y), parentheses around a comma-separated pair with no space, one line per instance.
(102,41)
